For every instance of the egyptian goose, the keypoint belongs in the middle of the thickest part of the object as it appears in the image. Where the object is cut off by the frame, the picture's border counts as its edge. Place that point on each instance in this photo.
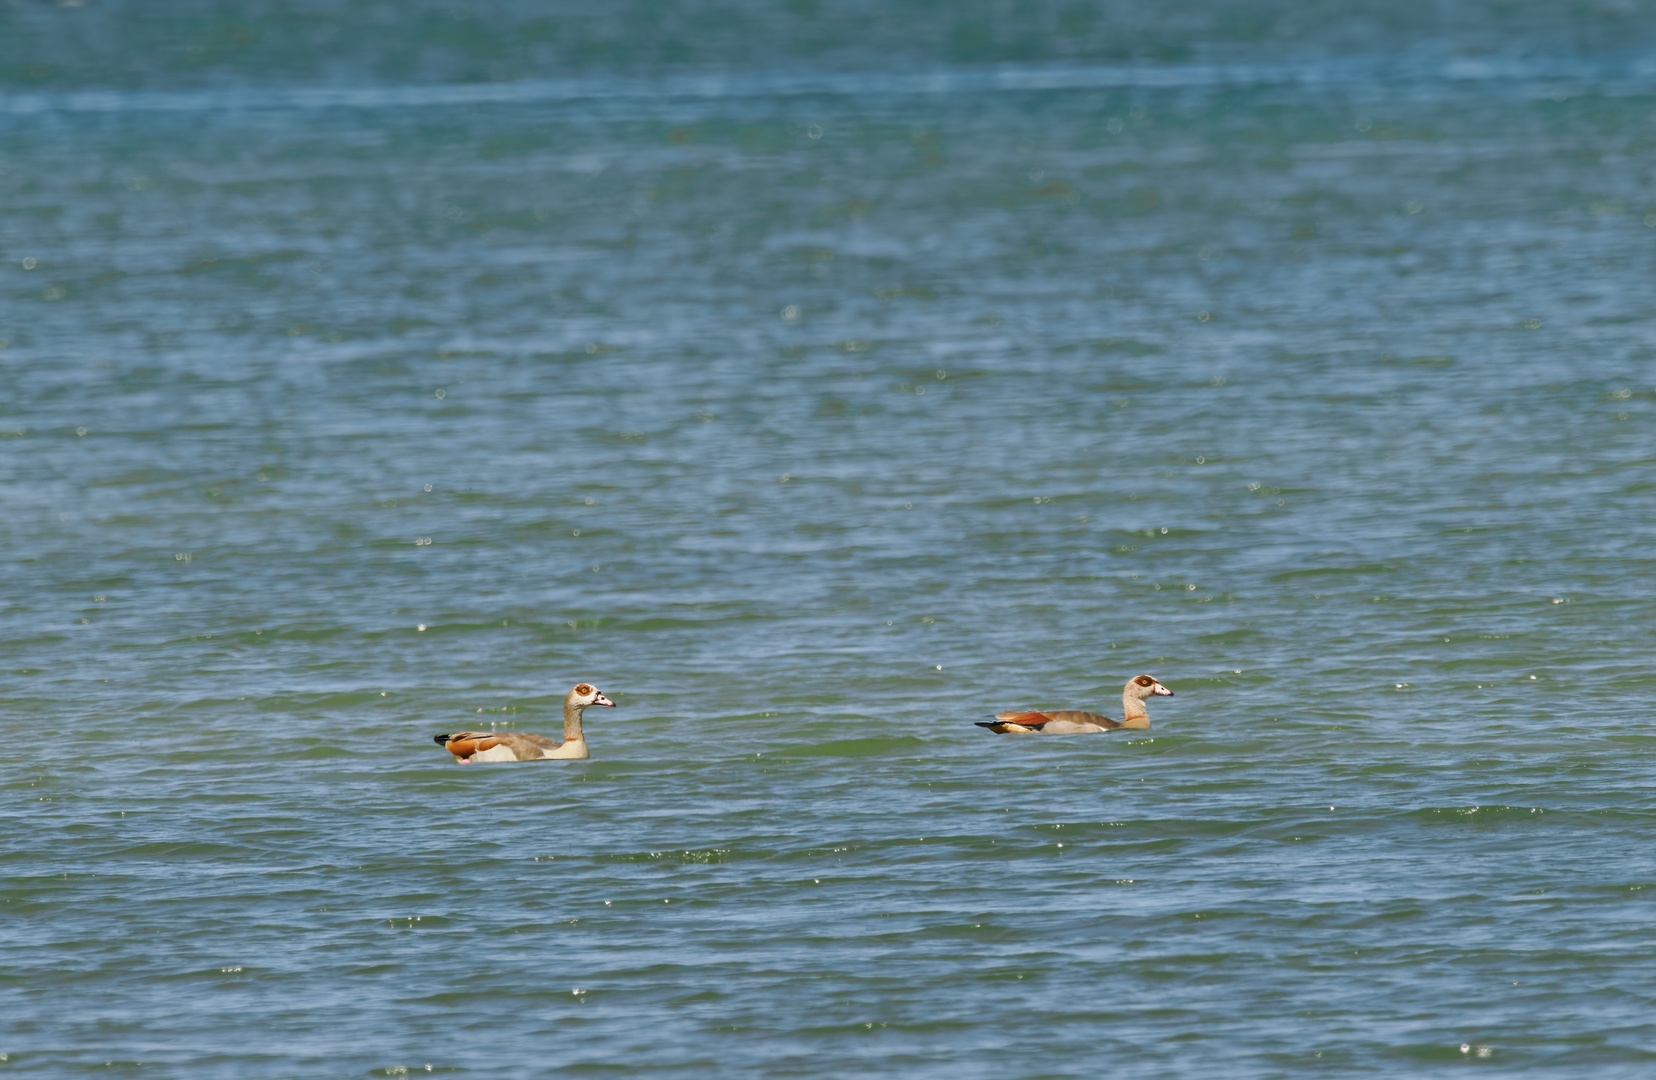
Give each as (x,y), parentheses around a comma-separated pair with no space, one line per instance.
(1073,722)
(469,746)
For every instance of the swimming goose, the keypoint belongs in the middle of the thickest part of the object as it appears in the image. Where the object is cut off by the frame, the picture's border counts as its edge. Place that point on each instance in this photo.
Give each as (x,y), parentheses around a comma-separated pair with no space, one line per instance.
(1074,722)
(469,746)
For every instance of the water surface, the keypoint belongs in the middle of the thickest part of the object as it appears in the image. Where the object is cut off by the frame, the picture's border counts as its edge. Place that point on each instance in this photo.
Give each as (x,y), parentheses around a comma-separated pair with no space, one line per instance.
(814,410)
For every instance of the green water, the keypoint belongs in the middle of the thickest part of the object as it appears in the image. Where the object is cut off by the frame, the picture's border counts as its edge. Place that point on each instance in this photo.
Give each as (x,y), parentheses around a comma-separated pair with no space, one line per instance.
(817,382)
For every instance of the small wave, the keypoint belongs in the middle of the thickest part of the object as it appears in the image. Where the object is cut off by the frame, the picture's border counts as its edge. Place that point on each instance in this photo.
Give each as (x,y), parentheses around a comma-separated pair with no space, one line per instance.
(856,748)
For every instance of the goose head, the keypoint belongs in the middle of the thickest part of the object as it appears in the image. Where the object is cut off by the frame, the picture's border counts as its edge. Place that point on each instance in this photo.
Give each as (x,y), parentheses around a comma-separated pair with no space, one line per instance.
(1146,686)
(585,694)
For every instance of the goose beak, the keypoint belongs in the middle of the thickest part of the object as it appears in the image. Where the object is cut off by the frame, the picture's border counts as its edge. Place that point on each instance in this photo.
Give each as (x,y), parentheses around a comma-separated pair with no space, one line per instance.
(602,700)
(1161,691)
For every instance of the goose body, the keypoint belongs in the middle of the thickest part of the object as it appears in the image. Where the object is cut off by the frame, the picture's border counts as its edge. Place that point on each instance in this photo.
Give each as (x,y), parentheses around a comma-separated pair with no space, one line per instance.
(1075,722)
(469,746)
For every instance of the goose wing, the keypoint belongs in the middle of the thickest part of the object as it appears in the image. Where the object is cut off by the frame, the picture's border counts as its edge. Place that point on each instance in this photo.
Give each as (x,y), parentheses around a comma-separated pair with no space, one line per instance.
(1058,721)
(1076,716)
(472,735)
(463,744)
(1007,723)
(524,746)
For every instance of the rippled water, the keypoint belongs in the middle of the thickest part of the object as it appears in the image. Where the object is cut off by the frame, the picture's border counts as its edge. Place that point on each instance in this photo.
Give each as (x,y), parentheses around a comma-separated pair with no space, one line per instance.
(815,414)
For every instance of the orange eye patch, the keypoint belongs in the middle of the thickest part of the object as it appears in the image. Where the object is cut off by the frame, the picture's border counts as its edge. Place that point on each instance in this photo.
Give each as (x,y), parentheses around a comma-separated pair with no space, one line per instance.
(583,689)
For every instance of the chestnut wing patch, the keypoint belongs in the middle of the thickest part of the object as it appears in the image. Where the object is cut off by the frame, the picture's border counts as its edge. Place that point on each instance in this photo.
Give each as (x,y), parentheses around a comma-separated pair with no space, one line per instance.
(466,743)
(1027,719)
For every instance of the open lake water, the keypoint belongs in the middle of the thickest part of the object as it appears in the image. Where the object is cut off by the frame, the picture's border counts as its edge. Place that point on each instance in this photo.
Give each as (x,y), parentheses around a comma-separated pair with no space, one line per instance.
(389,372)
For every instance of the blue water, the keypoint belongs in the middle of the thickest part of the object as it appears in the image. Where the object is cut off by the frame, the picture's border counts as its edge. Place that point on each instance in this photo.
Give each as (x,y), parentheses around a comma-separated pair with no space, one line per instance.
(368,376)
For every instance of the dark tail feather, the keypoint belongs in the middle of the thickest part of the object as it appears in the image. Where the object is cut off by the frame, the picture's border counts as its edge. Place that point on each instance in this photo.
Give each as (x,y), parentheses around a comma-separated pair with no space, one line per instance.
(991,725)
(439,739)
